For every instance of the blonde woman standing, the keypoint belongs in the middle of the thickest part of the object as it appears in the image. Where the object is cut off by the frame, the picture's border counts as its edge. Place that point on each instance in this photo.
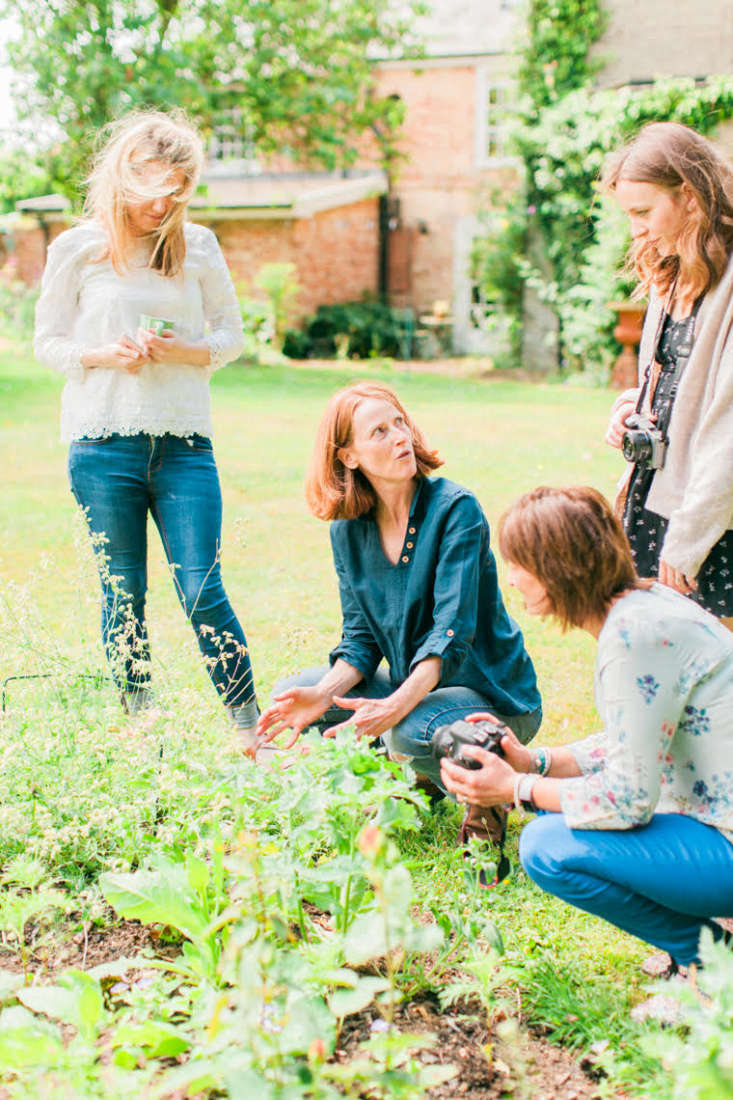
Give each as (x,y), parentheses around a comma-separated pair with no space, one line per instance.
(137,310)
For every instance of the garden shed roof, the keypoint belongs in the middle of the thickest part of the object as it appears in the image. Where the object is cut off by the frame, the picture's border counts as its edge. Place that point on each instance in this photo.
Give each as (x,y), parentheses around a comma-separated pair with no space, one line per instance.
(231,196)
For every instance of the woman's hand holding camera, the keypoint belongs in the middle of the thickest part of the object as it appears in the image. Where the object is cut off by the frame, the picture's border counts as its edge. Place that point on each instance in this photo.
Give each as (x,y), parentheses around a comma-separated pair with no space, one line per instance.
(515,753)
(617,423)
(491,785)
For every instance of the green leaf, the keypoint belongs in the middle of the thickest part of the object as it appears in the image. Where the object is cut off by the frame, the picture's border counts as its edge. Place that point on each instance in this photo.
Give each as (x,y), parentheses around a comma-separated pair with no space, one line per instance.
(76,1000)
(156,897)
(27,1041)
(365,939)
(157,1039)
(344,1002)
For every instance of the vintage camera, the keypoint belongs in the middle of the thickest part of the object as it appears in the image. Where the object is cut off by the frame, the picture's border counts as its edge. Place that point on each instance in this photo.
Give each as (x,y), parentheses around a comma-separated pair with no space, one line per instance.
(450,740)
(643,442)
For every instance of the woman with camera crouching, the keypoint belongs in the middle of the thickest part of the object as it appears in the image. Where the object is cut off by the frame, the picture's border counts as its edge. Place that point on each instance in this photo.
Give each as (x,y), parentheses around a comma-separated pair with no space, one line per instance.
(676,428)
(136,407)
(638,827)
(418,586)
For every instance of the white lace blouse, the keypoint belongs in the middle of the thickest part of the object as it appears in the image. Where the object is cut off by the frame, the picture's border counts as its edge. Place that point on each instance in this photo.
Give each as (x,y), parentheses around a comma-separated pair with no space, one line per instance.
(84,304)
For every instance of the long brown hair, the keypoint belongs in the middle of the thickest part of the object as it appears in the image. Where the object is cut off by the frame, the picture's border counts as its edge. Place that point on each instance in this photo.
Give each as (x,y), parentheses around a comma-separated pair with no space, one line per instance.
(332,490)
(571,541)
(146,154)
(671,156)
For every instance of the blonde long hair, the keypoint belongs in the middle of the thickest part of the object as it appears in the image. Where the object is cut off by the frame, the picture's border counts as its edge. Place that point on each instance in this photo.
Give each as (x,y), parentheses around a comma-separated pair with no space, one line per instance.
(671,156)
(124,172)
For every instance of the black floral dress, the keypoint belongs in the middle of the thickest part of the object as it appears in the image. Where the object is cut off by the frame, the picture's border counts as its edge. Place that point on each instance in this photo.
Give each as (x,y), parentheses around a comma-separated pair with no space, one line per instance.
(646,530)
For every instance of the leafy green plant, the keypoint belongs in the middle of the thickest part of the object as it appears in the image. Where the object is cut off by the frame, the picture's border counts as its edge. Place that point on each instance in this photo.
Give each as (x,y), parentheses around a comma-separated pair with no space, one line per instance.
(280,283)
(27,896)
(699,1056)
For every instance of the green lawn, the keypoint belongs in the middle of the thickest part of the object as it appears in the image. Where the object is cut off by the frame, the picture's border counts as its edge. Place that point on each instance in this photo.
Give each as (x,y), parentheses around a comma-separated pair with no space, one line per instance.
(498,437)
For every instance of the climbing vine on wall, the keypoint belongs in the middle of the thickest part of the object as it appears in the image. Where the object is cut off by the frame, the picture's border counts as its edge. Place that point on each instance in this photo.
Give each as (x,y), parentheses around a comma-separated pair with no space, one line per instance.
(562,132)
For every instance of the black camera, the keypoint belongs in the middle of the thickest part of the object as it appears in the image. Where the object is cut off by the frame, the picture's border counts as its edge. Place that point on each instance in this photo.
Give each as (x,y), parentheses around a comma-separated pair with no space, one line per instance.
(643,442)
(450,740)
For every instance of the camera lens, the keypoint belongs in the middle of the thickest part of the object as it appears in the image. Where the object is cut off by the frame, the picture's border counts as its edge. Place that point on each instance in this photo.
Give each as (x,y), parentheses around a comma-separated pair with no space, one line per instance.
(636,447)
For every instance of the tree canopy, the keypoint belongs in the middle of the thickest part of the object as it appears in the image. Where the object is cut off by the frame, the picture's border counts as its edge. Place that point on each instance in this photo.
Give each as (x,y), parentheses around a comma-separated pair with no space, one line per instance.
(286,75)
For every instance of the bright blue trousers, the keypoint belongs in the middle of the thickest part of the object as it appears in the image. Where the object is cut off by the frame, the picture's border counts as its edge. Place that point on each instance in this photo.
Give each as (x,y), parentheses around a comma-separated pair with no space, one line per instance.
(662,882)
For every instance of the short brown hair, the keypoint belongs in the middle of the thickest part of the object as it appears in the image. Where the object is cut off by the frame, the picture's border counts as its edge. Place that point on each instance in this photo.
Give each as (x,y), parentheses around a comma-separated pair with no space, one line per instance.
(669,155)
(332,490)
(570,540)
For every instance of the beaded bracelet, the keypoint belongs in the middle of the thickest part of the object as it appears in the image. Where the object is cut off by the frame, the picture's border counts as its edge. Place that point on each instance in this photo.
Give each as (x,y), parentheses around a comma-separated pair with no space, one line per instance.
(541,761)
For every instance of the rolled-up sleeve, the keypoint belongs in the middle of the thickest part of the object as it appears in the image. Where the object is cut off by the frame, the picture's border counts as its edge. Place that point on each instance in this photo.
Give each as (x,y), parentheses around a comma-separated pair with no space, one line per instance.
(358,646)
(641,706)
(53,342)
(456,588)
(225,334)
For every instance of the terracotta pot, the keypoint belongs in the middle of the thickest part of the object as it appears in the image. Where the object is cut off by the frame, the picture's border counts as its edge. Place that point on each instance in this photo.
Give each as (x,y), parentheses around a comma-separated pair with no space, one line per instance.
(628,333)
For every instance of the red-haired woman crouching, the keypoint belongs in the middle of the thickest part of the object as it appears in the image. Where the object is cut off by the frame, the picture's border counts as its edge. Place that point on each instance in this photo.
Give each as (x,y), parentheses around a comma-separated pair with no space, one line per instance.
(418,587)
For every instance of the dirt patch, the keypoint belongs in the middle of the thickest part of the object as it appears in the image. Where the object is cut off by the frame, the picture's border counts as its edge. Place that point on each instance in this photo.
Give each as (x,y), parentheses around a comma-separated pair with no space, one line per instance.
(490,1067)
(89,948)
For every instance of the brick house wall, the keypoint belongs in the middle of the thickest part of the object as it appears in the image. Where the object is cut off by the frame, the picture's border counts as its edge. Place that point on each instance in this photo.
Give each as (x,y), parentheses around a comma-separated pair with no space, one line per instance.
(445,177)
(335,251)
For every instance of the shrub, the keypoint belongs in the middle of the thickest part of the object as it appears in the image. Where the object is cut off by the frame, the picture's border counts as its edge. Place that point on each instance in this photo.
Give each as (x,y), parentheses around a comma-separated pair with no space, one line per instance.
(368,329)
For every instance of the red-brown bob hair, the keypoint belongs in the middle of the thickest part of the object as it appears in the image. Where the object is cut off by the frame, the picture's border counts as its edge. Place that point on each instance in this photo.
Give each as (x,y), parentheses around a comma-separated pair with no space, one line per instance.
(332,490)
(672,156)
(570,540)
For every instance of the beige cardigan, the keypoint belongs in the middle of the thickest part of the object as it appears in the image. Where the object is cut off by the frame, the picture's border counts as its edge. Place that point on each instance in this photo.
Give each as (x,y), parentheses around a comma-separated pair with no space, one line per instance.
(694,488)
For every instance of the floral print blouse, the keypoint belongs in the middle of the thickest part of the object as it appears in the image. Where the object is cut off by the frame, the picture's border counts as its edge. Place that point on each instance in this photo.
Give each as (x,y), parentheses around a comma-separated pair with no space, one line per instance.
(664,691)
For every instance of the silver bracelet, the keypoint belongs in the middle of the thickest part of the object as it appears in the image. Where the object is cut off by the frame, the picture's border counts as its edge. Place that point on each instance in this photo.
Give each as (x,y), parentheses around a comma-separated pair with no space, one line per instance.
(523,787)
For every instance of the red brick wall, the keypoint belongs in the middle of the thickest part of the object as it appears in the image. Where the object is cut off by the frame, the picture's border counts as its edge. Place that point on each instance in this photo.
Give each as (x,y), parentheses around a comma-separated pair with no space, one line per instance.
(438,181)
(335,252)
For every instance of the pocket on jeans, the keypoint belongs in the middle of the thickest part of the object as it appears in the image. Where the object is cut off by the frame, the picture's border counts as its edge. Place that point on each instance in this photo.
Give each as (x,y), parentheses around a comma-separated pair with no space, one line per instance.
(200,442)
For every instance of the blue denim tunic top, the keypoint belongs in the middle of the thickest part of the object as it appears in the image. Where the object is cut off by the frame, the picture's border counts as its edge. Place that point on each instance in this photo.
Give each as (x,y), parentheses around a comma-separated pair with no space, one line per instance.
(441,599)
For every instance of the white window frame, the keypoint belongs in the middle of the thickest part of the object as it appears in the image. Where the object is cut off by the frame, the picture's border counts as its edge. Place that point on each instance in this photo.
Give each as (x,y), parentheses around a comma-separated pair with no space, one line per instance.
(490,129)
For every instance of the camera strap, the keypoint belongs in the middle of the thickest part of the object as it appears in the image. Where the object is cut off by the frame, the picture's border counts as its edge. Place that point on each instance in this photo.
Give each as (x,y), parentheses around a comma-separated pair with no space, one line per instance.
(653,369)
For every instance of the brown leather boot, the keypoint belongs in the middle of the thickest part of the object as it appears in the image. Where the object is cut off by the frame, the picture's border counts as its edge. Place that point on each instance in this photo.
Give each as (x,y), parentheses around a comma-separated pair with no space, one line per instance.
(486,823)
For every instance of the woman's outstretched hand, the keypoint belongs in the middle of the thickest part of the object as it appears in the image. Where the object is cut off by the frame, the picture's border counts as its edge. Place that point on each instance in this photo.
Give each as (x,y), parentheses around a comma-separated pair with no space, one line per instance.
(491,785)
(370,718)
(294,709)
(516,754)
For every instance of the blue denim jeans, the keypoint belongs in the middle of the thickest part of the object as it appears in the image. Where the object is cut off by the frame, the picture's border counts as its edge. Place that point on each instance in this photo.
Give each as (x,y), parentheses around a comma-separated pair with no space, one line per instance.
(118,479)
(412,736)
(662,882)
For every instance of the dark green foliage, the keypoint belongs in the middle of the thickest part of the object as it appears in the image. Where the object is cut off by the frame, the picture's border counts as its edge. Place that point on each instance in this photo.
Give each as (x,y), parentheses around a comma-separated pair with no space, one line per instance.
(367,329)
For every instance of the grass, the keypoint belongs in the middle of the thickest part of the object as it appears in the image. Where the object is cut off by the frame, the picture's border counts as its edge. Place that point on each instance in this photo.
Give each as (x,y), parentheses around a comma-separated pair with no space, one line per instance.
(572,974)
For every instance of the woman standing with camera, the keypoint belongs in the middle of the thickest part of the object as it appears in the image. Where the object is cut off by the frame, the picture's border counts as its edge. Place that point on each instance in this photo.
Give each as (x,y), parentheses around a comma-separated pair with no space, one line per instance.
(638,827)
(418,587)
(136,407)
(678,504)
